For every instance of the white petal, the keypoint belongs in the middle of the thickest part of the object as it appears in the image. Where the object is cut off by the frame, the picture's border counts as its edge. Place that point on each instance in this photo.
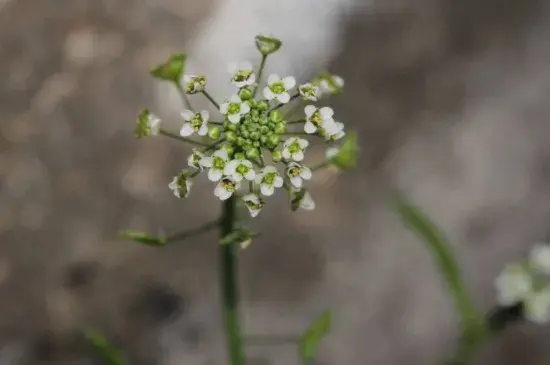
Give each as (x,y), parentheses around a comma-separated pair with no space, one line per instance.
(250,197)
(246,163)
(235,99)
(278,182)
(540,257)
(224,195)
(286,154)
(537,307)
(188,185)
(254,212)
(309,110)
(240,84)
(219,190)
(205,116)
(190,161)
(237,177)
(245,108)
(246,65)
(290,141)
(203,130)
(206,161)
(296,181)
(307,202)
(250,175)
(268,169)
(310,128)
(330,127)
(268,94)
(283,97)
(331,152)
(267,189)
(251,79)
(214,175)
(186,130)
(221,153)
(326,112)
(258,179)
(298,156)
(234,118)
(187,78)
(305,173)
(231,167)
(223,108)
(289,82)
(273,78)
(303,143)
(187,115)
(338,81)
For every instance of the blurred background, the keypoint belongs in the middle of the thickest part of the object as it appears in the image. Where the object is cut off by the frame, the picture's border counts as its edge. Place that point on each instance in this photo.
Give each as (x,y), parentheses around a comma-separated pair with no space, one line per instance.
(451,102)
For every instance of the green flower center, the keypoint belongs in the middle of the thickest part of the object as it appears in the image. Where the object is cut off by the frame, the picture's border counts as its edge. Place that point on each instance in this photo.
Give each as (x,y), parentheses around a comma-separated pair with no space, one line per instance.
(269,178)
(228,185)
(196,84)
(294,171)
(196,122)
(294,147)
(218,162)
(253,205)
(196,159)
(277,87)
(316,118)
(242,75)
(234,108)
(242,169)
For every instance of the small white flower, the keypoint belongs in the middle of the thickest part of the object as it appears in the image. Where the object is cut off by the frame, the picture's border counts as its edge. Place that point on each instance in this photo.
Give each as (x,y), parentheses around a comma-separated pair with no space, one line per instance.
(193,84)
(254,204)
(147,125)
(309,92)
(225,188)
(240,169)
(242,74)
(153,123)
(194,123)
(537,307)
(331,85)
(540,257)
(269,179)
(318,118)
(216,163)
(301,199)
(333,131)
(194,160)
(181,184)
(234,109)
(279,89)
(297,174)
(293,149)
(513,285)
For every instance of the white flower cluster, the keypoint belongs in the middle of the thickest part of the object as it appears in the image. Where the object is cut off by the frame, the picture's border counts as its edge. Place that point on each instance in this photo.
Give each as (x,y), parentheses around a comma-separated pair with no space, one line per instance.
(528,283)
(254,148)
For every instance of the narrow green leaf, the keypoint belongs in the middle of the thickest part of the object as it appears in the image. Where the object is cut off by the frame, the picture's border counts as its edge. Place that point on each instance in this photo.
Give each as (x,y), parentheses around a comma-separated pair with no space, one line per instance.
(241,236)
(417,222)
(108,353)
(171,70)
(142,238)
(310,338)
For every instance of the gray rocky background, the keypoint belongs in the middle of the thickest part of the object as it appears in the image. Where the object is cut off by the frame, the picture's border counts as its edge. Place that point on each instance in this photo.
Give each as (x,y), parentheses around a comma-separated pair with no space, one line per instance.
(451,102)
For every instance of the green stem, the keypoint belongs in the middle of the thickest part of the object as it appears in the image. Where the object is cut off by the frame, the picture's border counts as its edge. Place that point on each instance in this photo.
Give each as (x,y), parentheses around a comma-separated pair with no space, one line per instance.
(211,99)
(229,285)
(183,139)
(260,71)
(180,236)
(281,105)
(184,96)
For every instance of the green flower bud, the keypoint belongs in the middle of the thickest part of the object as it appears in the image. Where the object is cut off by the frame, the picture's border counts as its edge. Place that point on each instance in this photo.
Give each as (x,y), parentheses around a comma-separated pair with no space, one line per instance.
(245,133)
(276,156)
(171,70)
(347,153)
(267,45)
(240,156)
(214,133)
(256,144)
(264,129)
(273,140)
(279,128)
(229,148)
(276,116)
(252,153)
(262,106)
(263,139)
(241,141)
(255,113)
(254,136)
(246,93)
(232,127)
(264,120)
(231,136)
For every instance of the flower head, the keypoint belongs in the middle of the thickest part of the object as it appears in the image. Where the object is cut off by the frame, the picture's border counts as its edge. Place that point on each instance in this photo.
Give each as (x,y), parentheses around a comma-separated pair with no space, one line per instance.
(267,44)
(293,149)
(181,184)
(216,163)
(332,131)
(318,118)
(279,89)
(194,160)
(297,174)
(329,84)
(240,169)
(540,258)
(147,125)
(269,179)
(235,109)
(254,204)
(193,84)
(309,92)
(194,123)
(225,188)
(513,285)
(242,74)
